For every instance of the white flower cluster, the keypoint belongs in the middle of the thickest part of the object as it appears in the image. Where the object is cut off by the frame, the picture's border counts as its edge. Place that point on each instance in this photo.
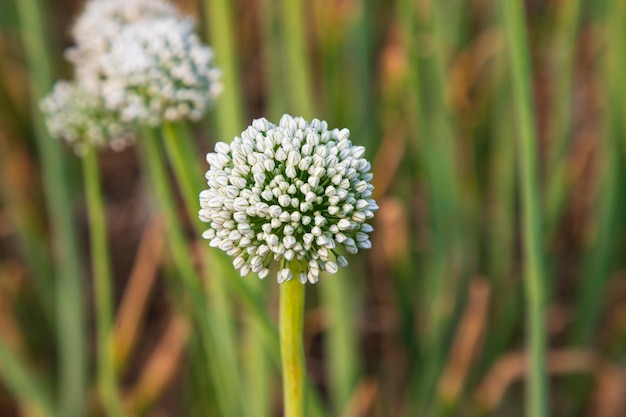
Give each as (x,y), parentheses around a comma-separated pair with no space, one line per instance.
(292,193)
(158,70)
(136,62)
(78,117)
(100,23)
(144,60)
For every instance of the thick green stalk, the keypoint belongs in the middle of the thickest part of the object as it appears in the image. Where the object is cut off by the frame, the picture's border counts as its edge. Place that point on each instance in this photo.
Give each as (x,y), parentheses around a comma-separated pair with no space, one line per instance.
(24,384)
(533,251)
(291,323)
(67,269)
(103,286)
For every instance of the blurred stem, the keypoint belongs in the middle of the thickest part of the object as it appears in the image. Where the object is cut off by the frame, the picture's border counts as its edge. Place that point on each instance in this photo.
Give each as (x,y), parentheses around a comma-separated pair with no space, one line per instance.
(344,50)
(291,323)
(28,223)
(230,113)
(156,171)
(502,262)
(515,29)
(435,152)
(564,48)
(271,44)
(341,343)
(182,157)
(220,26)
(23,383)
(590,300)
(68,292)
(300,97)
(258,390)
(102,284)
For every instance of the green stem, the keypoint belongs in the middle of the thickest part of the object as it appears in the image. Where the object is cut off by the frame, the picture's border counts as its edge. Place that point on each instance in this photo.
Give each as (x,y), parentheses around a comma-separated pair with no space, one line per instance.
(182,157)
(67,269)
(601,255)
(102,284)
(23,383)
(432,122)
(341,338)
(300,97)
(564,49)
(210,335)
(291,323)
(533,251)
(256,363)
(220,30)
(156,170)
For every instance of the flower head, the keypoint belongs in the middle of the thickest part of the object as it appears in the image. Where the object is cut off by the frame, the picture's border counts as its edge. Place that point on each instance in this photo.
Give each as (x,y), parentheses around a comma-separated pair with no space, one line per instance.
(158,70)
(144,60)
(78,117)
(295,194)
(100,23)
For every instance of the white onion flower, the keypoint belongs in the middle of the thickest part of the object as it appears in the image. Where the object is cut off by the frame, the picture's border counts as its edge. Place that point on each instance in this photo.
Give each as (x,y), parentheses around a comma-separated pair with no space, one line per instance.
(144,60)
(100,23)
(78,117)
(158,70)
(297,194)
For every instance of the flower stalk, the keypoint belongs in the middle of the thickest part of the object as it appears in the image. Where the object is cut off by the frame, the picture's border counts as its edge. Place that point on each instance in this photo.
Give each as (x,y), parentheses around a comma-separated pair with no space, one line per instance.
(537,398)
(67,268)
(102,284)
(291,323)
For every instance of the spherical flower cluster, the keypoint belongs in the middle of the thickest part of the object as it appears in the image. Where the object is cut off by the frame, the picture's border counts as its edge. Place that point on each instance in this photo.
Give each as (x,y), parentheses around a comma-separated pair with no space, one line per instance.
(100,23)
(294,194)
(144,60)
(80,119)
(141,62)
(158,70)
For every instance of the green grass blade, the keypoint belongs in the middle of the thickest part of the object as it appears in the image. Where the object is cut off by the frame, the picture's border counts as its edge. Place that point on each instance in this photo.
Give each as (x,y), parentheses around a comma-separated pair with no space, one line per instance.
(216,269)
(561,112)
(24,384)
(228,403)
(229,109)
(103,288)
(514,24)
(68,292)
(600,259)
